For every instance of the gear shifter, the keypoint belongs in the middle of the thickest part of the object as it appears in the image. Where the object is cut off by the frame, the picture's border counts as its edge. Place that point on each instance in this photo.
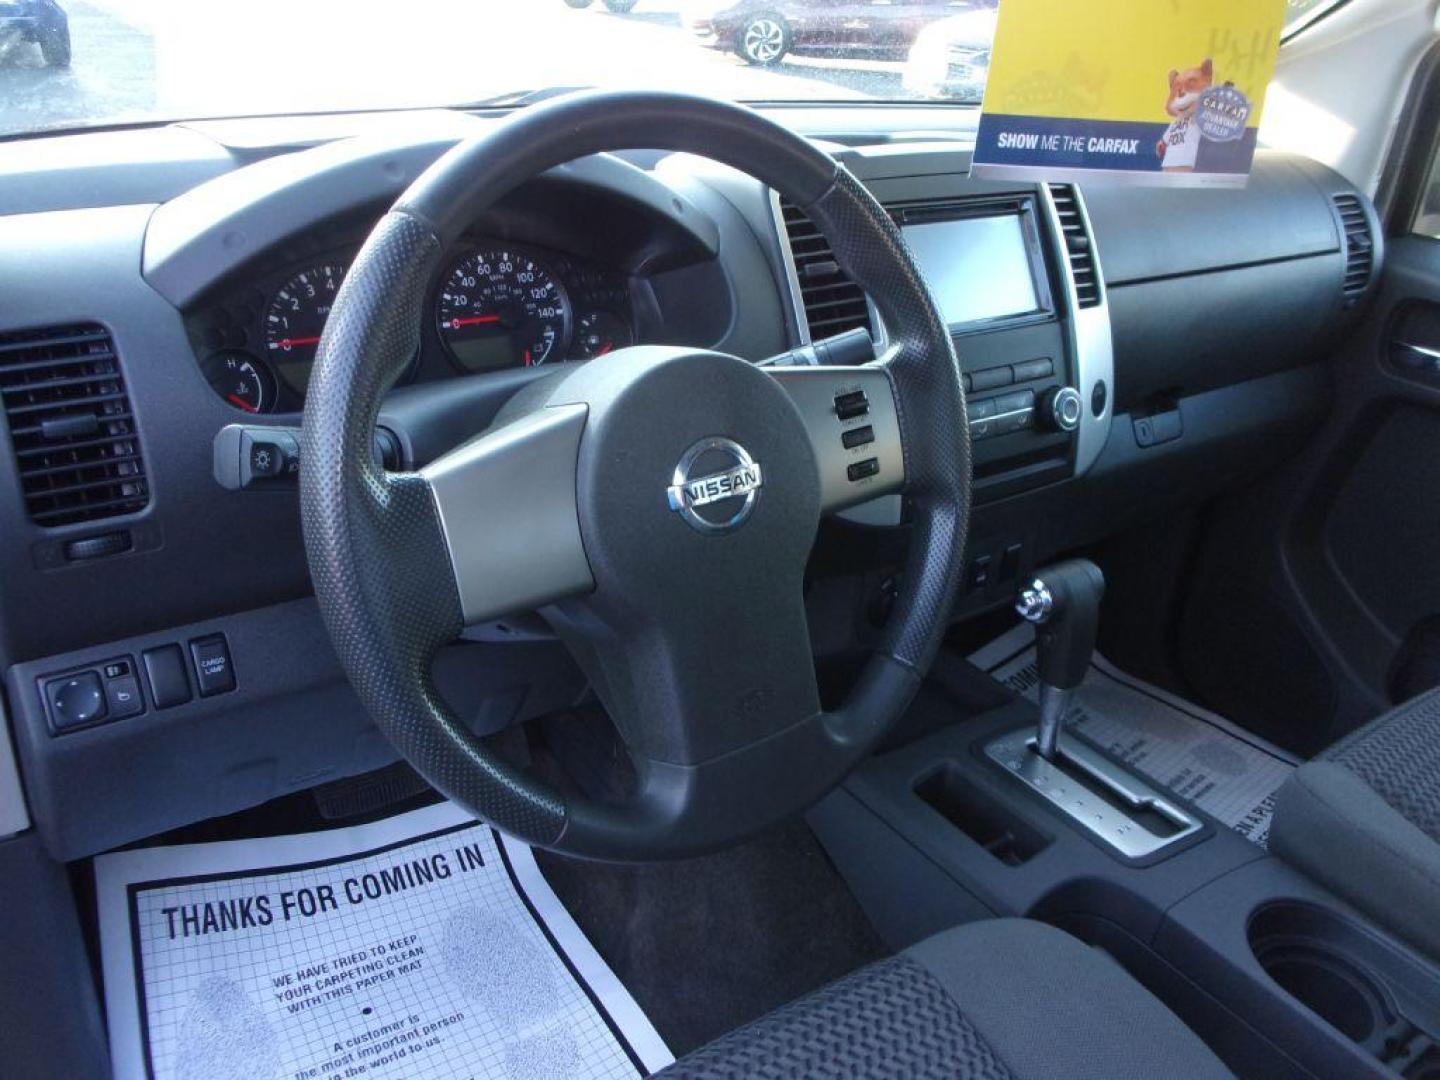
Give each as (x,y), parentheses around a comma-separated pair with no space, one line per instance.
(1081,782)
(1064,604)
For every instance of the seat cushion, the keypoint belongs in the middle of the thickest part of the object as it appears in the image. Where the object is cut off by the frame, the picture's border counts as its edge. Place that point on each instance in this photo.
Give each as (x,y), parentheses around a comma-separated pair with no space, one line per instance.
(987,1001)
(1363,819)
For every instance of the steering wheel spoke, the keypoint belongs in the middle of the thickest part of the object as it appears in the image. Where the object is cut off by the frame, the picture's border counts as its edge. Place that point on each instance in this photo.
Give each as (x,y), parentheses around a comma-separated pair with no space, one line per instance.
(851,416)
(506,503)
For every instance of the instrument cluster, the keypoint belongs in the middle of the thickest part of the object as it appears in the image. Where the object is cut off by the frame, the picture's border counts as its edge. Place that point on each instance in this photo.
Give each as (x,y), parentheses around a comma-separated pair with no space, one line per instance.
(494,304)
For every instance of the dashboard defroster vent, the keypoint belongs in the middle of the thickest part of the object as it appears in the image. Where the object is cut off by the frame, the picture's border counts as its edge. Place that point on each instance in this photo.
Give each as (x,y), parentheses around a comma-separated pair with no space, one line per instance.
(71,427)
(1079,248)
(833,303)
(1359,245)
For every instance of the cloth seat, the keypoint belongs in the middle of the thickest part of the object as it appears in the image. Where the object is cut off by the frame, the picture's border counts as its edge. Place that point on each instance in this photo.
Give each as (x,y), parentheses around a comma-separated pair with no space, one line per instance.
(1007,999)
(1363,819)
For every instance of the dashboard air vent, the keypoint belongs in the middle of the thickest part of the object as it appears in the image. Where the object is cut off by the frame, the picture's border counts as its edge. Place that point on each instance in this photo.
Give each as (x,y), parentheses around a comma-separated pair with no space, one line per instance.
(833,303)
(1078,245)
(71,427)
(1359,245)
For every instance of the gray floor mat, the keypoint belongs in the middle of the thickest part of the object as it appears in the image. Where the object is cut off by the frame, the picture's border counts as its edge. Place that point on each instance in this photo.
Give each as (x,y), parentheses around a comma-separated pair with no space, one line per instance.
(709,944)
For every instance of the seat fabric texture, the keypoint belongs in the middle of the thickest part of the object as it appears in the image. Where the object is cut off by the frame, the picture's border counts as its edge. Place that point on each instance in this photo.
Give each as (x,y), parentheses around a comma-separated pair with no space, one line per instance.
(1007,999)
(1363,819)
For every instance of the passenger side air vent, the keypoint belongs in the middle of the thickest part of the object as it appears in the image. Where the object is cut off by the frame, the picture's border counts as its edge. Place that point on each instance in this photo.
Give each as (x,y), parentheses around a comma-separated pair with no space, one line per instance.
(70,425)
(833,303)
(1078,245)
(1359,245)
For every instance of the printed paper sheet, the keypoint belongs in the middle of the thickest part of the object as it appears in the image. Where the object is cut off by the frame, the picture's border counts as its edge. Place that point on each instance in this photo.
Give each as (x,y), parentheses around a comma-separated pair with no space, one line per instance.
(423,946)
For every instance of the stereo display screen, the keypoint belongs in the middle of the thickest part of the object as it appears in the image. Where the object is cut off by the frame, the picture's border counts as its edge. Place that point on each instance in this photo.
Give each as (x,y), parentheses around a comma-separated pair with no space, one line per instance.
(977,267)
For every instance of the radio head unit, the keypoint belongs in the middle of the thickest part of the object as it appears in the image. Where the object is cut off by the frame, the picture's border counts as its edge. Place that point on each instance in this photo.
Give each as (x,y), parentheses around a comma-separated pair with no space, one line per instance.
(982,258)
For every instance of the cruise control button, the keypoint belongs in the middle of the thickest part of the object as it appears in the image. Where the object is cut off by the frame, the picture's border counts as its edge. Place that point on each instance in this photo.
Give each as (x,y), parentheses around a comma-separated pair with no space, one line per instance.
(860,436)
(850,405)
(863,469)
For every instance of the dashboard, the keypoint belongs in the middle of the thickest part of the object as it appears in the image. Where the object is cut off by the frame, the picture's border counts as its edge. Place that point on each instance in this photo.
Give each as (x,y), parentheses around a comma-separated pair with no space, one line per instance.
(496,304)
(1114,342)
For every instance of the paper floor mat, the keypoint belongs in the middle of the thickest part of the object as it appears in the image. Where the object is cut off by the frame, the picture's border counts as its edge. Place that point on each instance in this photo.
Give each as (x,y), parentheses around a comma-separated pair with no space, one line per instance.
(423,946)
(1224,770)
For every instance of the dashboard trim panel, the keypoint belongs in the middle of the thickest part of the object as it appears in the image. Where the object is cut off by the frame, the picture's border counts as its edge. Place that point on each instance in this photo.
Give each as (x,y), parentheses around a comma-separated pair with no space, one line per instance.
(1091,341)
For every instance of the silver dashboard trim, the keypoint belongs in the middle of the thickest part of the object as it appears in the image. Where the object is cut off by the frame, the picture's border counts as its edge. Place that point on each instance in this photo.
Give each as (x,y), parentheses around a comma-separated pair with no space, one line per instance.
(887,510)
(792,277)
(1091,341)
(14,815)
(507,507)
(1016,753)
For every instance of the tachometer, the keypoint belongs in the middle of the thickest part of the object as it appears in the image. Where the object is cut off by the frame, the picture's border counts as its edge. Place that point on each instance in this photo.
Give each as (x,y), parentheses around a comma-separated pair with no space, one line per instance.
(295,319)
(499,308)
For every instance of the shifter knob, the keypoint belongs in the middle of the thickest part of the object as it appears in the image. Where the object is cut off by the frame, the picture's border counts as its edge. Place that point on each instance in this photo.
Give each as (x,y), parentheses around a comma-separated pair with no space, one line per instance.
(1063,602)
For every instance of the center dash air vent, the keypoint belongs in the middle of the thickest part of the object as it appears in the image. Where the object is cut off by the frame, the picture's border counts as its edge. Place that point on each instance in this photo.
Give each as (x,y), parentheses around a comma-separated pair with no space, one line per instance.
(1359,245)
(1079,248)
(71,427)
(833,303)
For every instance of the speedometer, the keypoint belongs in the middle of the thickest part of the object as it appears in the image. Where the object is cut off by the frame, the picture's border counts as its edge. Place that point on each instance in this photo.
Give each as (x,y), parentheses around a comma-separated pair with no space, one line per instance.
(500,308)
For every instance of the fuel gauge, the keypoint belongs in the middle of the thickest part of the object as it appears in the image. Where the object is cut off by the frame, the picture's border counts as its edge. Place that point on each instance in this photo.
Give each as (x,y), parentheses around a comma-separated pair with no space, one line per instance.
(601,332)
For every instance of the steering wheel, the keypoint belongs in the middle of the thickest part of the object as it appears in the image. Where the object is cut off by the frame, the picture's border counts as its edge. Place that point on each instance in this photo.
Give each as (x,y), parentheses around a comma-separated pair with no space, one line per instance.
(657,506)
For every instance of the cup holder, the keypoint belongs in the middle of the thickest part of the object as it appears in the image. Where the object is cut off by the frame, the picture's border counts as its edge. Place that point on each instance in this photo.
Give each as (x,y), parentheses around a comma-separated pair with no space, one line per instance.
(1380,998)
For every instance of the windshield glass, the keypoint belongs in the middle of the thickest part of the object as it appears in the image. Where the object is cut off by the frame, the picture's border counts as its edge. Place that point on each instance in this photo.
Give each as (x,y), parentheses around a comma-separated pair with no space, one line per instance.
(89,62)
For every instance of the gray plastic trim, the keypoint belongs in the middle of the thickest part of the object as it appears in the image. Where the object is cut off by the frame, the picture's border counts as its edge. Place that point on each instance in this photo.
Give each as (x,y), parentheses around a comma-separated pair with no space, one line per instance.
(813,390)
(1091,341)
(14,815)
(507,507)
(198,238)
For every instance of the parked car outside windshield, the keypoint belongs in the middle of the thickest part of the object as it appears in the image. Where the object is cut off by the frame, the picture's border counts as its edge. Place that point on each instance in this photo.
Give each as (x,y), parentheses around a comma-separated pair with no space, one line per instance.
(99,62)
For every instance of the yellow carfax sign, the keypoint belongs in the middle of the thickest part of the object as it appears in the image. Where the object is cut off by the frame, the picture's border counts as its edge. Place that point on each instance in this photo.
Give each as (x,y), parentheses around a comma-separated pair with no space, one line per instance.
(1145,91)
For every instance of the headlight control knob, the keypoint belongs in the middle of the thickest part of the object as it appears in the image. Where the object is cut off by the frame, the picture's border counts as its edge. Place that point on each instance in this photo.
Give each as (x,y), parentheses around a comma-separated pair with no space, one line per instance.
(1061,409)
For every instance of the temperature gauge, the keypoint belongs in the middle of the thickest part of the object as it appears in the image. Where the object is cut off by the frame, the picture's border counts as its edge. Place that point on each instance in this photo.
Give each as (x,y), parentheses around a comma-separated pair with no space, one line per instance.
(244,381)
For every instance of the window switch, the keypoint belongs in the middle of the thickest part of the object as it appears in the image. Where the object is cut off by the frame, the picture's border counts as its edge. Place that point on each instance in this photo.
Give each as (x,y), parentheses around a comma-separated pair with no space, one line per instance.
(165,671)
(860,436)
(214,671)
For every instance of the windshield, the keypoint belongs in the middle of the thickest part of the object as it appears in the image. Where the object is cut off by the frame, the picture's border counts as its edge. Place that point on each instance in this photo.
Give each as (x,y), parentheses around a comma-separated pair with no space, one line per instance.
(92,62)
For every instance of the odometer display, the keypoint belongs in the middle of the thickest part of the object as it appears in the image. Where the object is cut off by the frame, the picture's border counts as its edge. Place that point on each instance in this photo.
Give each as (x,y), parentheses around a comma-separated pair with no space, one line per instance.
(499,308)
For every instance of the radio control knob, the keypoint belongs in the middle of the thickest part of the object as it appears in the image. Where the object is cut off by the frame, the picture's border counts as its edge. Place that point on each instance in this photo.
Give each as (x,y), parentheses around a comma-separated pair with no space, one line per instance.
(1062,408)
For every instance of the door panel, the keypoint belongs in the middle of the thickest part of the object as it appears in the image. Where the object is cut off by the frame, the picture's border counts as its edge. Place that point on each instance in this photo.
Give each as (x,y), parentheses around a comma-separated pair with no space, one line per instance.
(1314,590)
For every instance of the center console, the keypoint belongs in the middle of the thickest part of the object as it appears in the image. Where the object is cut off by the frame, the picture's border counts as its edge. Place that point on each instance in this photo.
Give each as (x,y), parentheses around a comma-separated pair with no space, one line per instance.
(1000,811)
(1014,271)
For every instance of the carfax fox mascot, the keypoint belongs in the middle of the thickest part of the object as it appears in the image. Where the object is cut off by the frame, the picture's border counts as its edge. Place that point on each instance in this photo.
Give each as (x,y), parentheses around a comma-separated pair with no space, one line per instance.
(1181,143)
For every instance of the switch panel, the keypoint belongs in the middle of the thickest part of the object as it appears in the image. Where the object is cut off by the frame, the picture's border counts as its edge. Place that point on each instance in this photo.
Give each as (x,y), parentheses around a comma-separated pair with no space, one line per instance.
(165,671)
(214,672)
